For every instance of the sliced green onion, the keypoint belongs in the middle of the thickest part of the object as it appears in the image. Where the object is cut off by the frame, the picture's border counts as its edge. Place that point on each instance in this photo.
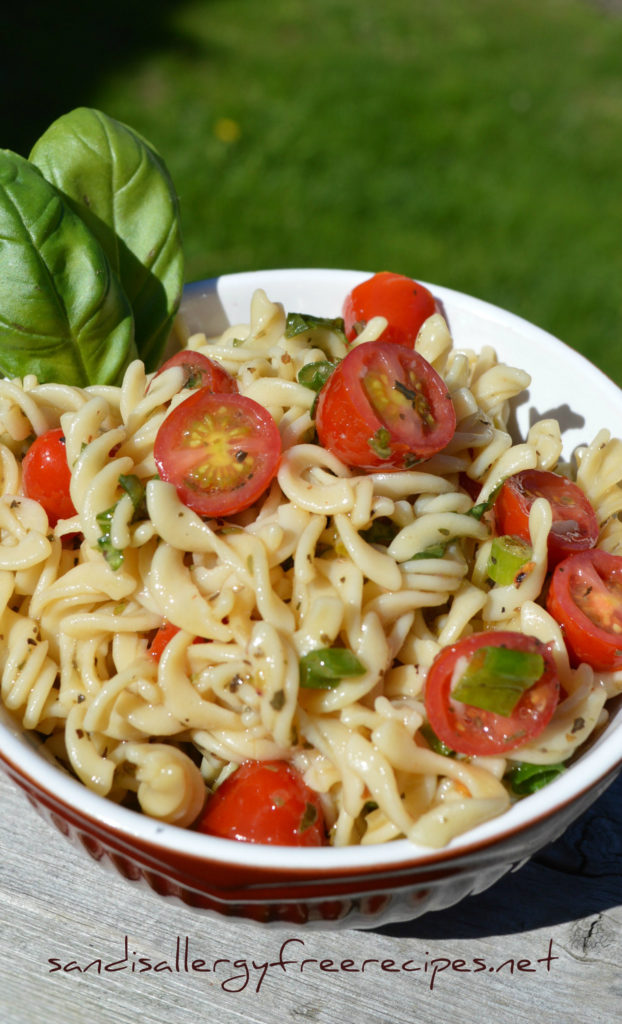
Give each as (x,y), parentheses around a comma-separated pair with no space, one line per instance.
(325,668)
(525,778)
(508,555)
(496,678)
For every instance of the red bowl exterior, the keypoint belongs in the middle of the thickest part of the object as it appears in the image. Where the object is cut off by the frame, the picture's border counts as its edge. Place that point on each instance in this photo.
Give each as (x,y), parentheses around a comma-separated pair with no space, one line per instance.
(330,897)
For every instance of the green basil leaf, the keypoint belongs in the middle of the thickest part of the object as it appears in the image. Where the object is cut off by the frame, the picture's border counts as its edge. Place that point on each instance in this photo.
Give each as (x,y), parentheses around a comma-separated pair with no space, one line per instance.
(380,443)
(315,375)
(65,316)
(324,669)
(436,744)
(301,323)
(525,778)
(120,187)
(381,531)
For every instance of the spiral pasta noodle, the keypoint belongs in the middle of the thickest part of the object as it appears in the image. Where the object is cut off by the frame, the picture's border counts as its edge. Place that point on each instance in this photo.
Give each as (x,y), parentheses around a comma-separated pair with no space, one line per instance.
(251,595)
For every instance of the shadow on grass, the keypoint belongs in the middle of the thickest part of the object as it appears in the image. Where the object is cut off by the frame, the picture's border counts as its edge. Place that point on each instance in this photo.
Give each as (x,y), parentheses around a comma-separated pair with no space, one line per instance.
(55,55)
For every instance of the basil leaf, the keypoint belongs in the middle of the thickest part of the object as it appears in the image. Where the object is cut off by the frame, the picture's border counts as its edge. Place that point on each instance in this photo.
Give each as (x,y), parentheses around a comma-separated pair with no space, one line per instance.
(436,744)
(380,443)
(496,678)
(324,669)
(65,316)
(133,486)
(120,187)
(381,531)
(315,375)
(525,778)
(301,323)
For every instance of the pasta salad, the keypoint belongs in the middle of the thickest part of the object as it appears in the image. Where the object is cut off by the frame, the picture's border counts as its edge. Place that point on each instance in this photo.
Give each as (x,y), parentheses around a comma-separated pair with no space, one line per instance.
(300,585)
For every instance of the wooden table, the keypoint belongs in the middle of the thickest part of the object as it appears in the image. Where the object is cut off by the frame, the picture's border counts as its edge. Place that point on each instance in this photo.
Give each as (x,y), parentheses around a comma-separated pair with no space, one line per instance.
(543,945)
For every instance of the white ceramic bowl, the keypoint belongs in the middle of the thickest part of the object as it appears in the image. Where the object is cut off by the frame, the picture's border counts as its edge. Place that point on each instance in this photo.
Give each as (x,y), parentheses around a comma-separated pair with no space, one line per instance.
(355,886)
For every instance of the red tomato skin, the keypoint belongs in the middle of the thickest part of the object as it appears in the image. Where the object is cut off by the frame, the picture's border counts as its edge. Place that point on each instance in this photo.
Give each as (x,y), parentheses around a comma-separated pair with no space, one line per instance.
(165,633)
(46,475)
(517,495)
(585,639)
(264,802)
(346,421)
(201,372)
(405,304)
(473,731)
(256,435)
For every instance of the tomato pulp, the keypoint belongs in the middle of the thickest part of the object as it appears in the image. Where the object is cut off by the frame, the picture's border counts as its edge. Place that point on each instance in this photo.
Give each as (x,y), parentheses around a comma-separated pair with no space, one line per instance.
(472,730)
(221,451)
(384,407)
(585,598)
(46,475)
(404,303)
(265,802)
(574,527)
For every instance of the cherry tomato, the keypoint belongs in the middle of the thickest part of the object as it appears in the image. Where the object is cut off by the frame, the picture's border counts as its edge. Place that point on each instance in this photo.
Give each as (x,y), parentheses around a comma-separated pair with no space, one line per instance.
(403,302)
(46,475)
(265,802)
(575,526)
(384,407)
(473,731)
(221,451)
(201,372)
(585,598)
(165,633)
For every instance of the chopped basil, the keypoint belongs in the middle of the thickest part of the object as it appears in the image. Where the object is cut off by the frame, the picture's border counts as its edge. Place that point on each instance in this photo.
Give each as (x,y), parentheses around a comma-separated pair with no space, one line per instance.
(380,443)
(507,556)
(433,551)
(525,778)
(479,510)
(496,678)
(300,323)
(315,375)
(136,490)
(381,531)
(309,818)
(324,668)
(436,744)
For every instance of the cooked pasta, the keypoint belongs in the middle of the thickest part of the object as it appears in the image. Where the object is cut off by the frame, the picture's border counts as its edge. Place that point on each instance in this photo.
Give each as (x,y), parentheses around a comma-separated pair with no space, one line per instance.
(252,594)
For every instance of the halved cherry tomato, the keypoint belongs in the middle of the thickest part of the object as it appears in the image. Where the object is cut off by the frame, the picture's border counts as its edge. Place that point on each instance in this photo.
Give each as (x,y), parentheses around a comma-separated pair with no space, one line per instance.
(165,633)
(384,407)
(201,372)
(221,451)
(46,475)
(585,598)
(473,731)
(575,526)
(265,802)
(405,304)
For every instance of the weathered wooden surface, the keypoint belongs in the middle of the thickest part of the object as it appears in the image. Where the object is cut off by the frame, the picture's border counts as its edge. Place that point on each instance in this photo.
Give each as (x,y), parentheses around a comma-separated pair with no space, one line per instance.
(486,959)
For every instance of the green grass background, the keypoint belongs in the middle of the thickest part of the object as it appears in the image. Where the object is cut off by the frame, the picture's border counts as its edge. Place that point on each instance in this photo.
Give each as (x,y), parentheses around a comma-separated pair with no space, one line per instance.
(476,144)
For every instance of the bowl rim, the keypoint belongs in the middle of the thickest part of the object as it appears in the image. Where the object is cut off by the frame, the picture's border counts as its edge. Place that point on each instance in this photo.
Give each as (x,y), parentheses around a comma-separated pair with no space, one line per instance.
(602,761)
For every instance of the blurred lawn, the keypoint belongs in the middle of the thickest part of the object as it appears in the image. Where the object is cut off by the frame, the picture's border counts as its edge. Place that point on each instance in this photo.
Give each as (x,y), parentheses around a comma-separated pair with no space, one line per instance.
(477,144)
